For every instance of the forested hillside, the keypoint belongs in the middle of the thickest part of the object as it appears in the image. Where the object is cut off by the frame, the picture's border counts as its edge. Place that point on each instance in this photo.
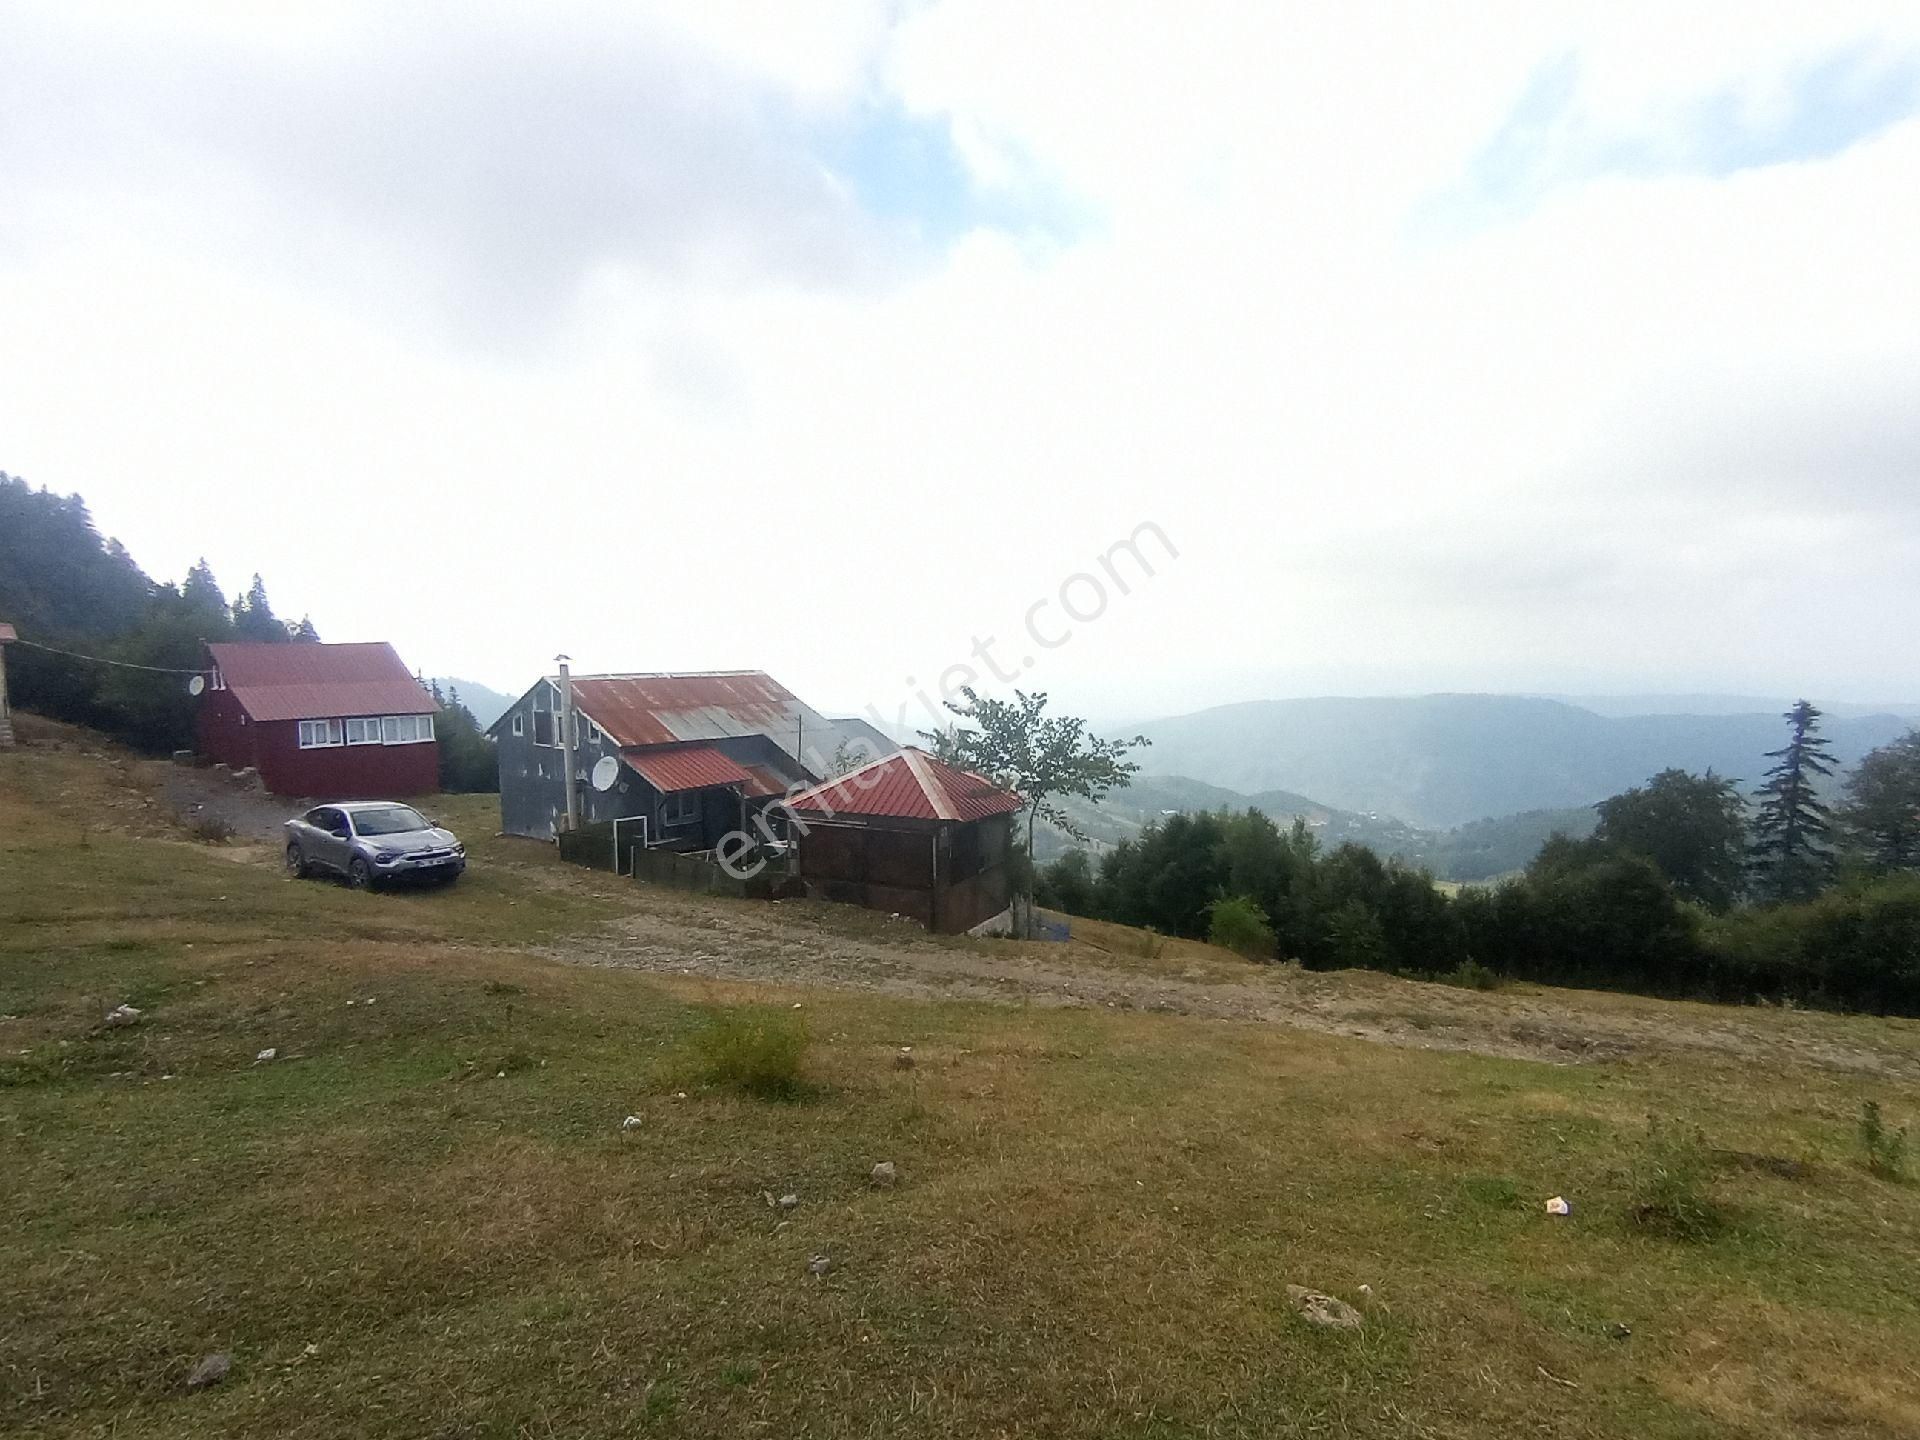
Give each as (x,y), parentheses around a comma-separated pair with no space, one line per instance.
(104,644)
(1480,850)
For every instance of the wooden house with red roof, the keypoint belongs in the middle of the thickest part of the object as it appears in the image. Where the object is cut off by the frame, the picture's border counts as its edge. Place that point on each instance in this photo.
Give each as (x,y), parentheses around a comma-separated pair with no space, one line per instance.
(911,835)
(335,722)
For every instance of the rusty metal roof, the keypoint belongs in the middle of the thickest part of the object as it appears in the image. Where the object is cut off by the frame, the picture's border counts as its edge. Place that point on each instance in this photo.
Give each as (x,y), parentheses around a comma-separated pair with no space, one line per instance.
(686,767)
(299,681)
(908,785)
(663,709)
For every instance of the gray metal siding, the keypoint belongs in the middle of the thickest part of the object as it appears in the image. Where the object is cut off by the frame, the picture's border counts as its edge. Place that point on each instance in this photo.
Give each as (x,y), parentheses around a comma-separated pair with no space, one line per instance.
(533,796)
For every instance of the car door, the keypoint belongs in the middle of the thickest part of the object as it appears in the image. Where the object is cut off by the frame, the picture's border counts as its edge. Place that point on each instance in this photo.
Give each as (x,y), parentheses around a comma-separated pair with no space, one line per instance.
(331,837)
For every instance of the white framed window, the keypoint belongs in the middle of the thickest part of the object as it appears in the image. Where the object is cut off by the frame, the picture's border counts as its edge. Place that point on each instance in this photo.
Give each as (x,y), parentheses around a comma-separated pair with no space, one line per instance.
(364,730)
(519,723)
(406,729)
(682,807)
(543,727)
(319,734)
(593,732)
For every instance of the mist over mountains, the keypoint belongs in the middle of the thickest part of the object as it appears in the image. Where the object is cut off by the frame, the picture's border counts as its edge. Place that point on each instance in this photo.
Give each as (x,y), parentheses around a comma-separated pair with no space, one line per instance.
(1440,761)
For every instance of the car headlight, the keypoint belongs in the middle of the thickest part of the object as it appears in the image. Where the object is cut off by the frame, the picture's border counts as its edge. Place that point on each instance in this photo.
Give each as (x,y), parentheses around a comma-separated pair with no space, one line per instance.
(385,857)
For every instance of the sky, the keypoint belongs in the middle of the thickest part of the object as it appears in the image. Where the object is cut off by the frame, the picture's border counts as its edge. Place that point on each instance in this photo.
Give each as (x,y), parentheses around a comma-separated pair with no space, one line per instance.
(1152,356)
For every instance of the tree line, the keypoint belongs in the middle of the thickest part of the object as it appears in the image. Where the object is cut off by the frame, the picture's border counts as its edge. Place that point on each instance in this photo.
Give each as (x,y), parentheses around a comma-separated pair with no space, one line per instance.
(130,640)
(1683,889)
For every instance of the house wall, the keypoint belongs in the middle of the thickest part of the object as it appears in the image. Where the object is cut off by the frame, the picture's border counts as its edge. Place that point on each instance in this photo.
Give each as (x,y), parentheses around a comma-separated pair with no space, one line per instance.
(222,731)
(225,734)
(893,869)
(343,772)
(533,795)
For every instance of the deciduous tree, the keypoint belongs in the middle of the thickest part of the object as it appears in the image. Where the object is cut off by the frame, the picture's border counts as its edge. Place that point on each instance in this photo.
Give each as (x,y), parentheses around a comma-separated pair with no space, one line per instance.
(1693,827)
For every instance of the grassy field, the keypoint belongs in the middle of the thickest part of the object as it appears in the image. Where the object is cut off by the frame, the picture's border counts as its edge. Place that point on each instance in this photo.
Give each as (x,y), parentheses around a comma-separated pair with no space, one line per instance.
(423,1218)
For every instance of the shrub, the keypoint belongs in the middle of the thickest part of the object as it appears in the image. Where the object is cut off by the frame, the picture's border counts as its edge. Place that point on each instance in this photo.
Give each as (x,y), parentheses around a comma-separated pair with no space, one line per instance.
(211,829)
(1886,1148)
(1237,924)
(1470,974)
(755,1051)
(1855,947)
(1669,1184)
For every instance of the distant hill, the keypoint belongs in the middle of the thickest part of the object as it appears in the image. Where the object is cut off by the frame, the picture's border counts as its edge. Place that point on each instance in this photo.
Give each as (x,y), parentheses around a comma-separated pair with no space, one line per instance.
(1480,850)
(1439,761)
(1125,813)
(487,705)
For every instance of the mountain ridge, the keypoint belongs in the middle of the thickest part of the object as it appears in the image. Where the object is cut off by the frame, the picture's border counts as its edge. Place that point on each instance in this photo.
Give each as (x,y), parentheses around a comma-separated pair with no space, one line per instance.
(1445,760)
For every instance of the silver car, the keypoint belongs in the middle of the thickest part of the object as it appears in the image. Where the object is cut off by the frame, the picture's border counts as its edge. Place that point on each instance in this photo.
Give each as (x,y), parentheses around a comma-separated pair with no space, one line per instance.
(373,841)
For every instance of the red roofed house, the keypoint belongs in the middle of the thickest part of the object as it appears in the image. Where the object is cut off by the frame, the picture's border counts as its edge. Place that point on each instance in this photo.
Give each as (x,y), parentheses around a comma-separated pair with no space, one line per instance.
(910,835)
(339,722)
(685,757)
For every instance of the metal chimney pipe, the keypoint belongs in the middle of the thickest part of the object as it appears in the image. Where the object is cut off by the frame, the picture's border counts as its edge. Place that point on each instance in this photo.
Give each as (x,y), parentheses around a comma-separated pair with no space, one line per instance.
(566,743)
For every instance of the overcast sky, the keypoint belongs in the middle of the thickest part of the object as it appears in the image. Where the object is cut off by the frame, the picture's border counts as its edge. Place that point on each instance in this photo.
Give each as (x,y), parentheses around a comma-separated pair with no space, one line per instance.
(1519,347)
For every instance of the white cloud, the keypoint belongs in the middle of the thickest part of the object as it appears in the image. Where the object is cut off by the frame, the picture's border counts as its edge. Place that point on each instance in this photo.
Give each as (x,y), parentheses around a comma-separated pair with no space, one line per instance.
(1575,443)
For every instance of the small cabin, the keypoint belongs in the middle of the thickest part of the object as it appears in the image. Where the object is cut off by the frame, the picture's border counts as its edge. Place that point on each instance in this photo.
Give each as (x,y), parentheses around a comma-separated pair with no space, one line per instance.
(910,835)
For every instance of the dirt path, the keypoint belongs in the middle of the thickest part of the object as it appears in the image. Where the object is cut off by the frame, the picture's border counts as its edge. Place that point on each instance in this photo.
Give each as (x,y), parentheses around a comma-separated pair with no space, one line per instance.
(798,943)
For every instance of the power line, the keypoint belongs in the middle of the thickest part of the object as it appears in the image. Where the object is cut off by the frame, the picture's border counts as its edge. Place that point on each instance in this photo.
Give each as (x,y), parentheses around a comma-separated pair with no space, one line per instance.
(102,660)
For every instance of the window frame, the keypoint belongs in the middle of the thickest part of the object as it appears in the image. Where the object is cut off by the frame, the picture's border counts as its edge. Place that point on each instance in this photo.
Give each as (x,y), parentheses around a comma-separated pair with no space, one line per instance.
(552,742)
(519,723)
(364,721)
(680,807)
(333,734)
(391,729)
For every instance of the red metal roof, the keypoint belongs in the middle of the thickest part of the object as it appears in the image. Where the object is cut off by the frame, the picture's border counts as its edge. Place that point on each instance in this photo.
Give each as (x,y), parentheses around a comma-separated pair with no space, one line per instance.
(909,785)
(310,682)
(691,767)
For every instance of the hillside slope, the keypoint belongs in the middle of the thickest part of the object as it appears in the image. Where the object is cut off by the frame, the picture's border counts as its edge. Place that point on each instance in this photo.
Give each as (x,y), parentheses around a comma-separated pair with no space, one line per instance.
(426,1215)
(1438,761)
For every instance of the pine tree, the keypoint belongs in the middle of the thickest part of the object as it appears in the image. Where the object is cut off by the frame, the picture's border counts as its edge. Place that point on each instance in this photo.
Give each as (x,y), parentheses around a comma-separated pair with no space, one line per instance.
(1791,856)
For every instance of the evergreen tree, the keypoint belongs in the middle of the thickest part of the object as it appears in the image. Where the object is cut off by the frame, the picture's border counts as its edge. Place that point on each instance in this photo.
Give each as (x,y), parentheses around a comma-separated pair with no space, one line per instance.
(203,598)
(1791,856)
(304,633)
(253,617)
(1882,814)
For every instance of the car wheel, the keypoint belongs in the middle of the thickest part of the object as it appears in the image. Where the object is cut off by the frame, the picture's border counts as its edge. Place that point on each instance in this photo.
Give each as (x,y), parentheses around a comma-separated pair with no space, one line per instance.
(360,874)
(296,863)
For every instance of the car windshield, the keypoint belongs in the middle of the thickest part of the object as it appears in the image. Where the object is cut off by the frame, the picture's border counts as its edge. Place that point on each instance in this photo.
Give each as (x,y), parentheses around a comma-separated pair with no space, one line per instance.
(388,820)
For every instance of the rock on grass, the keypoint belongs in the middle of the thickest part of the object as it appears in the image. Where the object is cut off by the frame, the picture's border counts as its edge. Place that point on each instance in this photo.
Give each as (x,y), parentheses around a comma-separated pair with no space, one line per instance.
(1323,1310)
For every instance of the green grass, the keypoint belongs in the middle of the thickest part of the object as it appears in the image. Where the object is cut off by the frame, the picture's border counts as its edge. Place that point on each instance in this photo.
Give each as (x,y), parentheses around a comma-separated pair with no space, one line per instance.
(1097,1214)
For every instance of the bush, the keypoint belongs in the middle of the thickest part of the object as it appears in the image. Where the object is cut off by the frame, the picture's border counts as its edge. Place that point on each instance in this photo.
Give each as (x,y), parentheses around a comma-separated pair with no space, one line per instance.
(1470,974)
(1855,947)
(1886,1149)
(755,1051)
(1669,1184)
(211,829)
(1237,924)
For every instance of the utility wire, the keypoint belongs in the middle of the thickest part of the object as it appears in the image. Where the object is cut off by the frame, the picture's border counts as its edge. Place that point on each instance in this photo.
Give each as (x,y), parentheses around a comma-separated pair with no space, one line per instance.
(102,660)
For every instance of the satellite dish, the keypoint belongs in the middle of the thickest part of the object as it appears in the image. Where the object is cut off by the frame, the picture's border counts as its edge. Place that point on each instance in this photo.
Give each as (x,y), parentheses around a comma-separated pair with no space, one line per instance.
(196,684)
(606,770)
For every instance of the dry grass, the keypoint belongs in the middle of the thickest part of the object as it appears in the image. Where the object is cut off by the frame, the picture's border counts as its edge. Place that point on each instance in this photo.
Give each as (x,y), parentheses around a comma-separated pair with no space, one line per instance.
(1097,1215)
